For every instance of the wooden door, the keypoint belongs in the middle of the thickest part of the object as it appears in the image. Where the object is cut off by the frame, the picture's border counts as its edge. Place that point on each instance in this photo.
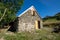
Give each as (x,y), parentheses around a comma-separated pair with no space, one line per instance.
(37,24)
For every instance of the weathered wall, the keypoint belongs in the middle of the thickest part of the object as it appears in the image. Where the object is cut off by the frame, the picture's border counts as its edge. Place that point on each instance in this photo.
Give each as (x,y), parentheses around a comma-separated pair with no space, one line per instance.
(26,22)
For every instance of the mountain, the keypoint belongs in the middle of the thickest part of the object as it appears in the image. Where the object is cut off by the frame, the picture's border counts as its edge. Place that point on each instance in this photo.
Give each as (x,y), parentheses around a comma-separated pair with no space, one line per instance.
(56,17)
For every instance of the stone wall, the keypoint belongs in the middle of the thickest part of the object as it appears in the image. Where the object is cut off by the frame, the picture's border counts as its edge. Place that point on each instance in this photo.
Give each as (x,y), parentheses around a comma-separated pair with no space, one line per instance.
(26,22)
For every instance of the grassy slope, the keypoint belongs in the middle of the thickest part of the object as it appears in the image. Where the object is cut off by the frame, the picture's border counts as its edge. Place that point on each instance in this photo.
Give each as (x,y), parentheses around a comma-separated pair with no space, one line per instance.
(43,34)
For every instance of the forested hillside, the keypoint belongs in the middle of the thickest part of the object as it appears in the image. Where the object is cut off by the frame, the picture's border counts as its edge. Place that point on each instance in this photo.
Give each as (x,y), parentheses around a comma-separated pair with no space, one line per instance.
(56,17)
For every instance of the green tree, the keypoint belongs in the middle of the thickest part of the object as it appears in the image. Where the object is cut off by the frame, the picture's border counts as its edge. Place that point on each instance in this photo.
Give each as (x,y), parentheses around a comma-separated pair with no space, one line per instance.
(8,10)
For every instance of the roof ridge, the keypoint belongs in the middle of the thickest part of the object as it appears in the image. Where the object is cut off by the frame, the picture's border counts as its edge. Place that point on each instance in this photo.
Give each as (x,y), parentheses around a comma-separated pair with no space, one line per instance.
(27,10)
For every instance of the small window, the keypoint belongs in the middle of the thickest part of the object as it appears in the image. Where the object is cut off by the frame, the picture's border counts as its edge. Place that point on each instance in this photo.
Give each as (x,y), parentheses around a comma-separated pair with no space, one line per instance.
(33,13)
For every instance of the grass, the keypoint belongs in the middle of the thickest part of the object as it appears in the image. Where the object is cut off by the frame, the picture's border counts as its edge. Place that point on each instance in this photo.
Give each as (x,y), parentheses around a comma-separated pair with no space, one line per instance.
(42,34)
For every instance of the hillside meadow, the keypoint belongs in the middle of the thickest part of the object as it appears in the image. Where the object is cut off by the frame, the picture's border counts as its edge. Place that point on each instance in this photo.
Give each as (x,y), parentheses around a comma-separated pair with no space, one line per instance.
(42,34)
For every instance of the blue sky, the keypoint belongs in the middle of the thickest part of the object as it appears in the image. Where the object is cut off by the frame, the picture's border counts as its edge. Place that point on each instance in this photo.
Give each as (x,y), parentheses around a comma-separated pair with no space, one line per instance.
(43,7)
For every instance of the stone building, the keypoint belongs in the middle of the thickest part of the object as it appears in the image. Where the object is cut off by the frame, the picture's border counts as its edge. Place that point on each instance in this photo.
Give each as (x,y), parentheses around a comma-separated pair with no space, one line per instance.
(29,20)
